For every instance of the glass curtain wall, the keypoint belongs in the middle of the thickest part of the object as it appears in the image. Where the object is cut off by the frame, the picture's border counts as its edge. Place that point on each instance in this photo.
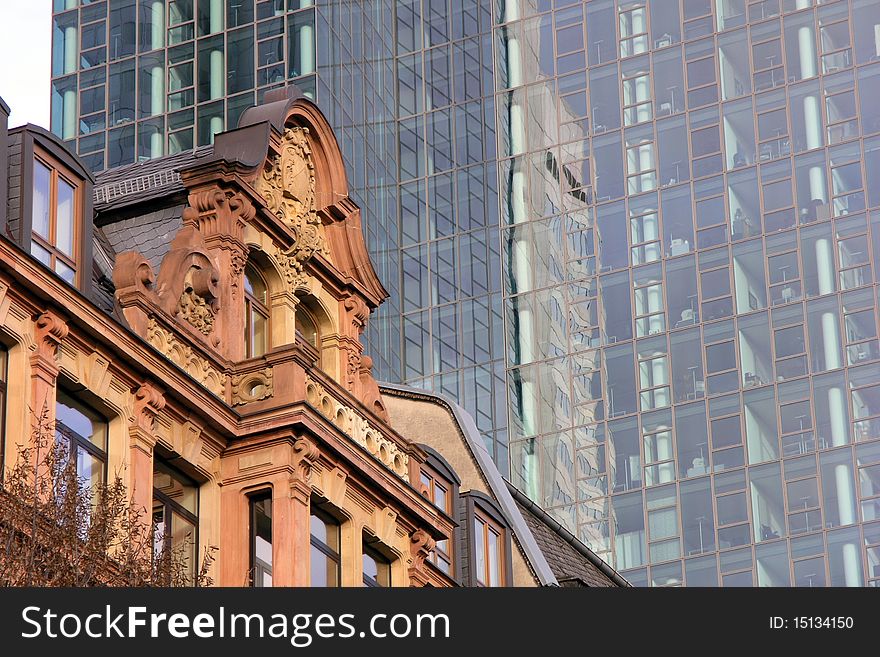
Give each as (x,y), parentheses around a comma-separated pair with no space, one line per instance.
(689,237)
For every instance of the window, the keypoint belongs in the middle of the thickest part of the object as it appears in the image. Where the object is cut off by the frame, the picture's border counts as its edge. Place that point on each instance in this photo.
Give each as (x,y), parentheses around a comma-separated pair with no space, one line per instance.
(256,313)
(325,549)
(439,491)
(306,326)
(175,516)
(56,201)
(377,567)
(488,552)
(261,539)
(82,434)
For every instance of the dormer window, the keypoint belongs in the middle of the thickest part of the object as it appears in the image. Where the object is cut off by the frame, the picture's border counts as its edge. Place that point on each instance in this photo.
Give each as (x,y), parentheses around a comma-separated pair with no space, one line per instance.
(488,543)
(437,489)
(256,299)
(56,203)
(439,483)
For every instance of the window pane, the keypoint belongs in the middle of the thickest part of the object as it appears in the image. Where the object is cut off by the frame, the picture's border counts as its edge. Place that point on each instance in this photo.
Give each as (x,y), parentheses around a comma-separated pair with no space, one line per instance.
(494,559)
(480,552)
(258,323)
(324,551)
(89,468)
(262,535)
(41,254)
(65,272)
(176,487)
(81,420)
(42,177)
(183,541)
(323,570)
(371,568)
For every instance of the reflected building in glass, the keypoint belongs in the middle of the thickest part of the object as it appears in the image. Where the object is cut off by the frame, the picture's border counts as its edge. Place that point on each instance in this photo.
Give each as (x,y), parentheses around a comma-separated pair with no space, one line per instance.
(137,79)
(687,196)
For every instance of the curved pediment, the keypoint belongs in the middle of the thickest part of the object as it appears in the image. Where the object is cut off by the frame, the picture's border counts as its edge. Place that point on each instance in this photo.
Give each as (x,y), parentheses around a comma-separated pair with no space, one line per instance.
(304,184)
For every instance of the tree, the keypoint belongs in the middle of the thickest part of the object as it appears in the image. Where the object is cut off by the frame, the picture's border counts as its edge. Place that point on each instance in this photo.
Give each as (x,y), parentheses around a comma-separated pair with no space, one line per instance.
(57,530)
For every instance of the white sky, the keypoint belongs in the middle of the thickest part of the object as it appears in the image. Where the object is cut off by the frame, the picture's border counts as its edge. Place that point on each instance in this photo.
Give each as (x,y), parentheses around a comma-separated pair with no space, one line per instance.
(25,59)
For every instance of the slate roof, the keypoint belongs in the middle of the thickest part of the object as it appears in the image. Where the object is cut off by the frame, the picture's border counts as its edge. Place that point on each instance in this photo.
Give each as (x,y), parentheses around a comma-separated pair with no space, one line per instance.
(573,563)
(149,233)
(143,181)
(103,257)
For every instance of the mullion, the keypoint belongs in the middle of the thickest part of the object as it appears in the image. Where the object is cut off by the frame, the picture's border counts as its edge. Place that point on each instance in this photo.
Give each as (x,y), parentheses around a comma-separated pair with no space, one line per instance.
(325,549)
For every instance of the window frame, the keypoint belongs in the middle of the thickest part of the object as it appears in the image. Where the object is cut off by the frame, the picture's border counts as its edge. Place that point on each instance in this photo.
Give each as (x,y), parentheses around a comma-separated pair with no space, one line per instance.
(252,306)
(335,556)
(57,170)
(309,317)
(481,507)
(76,440)
(436,467)
(170,505)
(382,561)
(254,497)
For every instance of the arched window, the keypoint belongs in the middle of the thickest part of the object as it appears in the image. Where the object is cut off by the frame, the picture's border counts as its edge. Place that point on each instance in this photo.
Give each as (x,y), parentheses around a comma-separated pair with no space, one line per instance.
(256,332)
(307,326)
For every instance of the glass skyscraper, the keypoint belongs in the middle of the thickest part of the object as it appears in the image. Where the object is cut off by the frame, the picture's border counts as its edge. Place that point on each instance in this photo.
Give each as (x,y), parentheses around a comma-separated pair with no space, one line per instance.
(636,239)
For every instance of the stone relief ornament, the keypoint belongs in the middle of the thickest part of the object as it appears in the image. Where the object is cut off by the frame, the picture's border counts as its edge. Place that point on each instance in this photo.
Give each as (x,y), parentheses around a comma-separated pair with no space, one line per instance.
(251,387)
(194,309)
(287,184)
(182,354)
(237,264)
(384,449)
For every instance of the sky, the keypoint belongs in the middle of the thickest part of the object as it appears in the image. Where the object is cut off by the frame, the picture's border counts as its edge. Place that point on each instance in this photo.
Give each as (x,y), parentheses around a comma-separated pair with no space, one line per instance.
(25,59)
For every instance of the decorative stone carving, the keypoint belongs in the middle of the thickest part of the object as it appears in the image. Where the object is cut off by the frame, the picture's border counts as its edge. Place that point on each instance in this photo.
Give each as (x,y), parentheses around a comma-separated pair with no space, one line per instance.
(371,397)
(287,184)
(133,272)
(194,309)
(183,355)
(352,369)
(359,310)
(187,285)
(333,485)
(218,212)
(93,371)
(385,450)
(148,403)
(188,266)
(49,331)
(420,546)
(252,386)
(220,215)
(306,453)
(237,266)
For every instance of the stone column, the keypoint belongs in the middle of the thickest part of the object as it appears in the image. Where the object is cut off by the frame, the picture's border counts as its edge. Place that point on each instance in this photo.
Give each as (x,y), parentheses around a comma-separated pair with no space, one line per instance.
(49,331)
(297,568)
(148,403)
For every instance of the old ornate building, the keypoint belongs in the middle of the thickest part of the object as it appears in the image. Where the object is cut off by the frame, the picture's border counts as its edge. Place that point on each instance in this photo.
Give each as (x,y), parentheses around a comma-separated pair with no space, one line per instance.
(192,323)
